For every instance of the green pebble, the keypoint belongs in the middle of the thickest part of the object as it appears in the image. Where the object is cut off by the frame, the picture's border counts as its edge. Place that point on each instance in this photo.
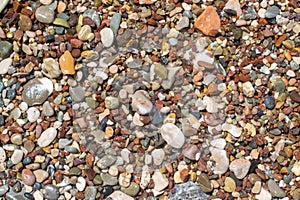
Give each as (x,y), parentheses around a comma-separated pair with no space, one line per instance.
(61,22)
(5,49)
(92,103)
(97,180)
(132,190)
(75,171)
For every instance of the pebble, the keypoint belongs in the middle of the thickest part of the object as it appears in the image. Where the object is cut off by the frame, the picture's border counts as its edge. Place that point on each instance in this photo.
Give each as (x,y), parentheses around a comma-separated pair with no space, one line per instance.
(25,23)
(81,183)
(93,14)
(47,109)
(275,190)
(17,156)
(51,192)
(36,91)
(51,68)
(272,12)
(2,155)
(248,89)
(240,167)
(28,177)
(183,22)
(158,156)
(3,189)
(40,175)
(67,63)
(3,4)
(109,179)
(230,185)
(204,183)
(141,102)
(221,159)
(257,187)
(132,190)
(4,65)
(90,193)
(33,114)
(269,102)
(296,168)
(77,93)
(120,195)
(61,22)
(44,14)
(111,102)
(188,190)
(295,96)
(85,33)
(5,49)
(191,152)
(107,37)
(160,181)
(204,21)
(232,129)
(234,5)
(16,138)
(47,137)
(115,23)
(172,135)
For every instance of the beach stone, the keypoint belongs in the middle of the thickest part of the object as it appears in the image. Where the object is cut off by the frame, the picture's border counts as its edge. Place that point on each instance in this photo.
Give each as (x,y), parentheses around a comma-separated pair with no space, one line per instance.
(218,143)
(160,181)
(124,179)
(81,183)
(264,195)
(51,68)
(275,190)
(257,187)
(222,162)
(269,102)
(4,65)
(230,185)
(25,23)
(248,89)
(51,192)
(132,190)
(109,179)
(3,4)
(141,102)
(17,156)
(3,190)
(211,105)
(234,5)
(47,137)
(106,161)
(37,90)
(40,175)
(250,14)
(296,168)
(158,156)
(232,129)
(115,23)
(111,102)
(182,23)
(107,37)
(296,194)
(204,183)
(272,12)
(33,114)
(240,167)
(44,14)
(61,22)
(28,177)
(172,135)
(120,195)
(204,21)
(5,49)
(77,93)
(90,193)
(85,33)
(295,96)
(93,14)
(47,109)
(67,63)
(2,155)
(191,151)
(161,71)
(188,190)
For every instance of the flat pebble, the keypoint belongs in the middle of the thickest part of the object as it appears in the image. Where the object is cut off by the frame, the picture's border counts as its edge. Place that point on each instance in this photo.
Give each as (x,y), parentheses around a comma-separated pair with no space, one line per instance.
(240,167)
(4,65)
(40,175)
(47,137)
(172,135)
(230,185)
(160,181)
(44,14)
(107,37)
(141,102)
(158,156)
(28,177)
(33,114)
(17,156)
(275,190)
(51,192)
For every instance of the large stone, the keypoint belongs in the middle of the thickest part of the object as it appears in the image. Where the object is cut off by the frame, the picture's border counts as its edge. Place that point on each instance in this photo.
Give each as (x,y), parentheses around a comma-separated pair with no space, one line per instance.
(160,181)
(209,21)
(44,14)
(240,167)
(188,190)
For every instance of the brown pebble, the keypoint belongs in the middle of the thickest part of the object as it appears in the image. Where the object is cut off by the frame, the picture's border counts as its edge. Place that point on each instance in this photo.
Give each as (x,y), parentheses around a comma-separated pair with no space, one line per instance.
(28,177)
(295,96)
(76,53)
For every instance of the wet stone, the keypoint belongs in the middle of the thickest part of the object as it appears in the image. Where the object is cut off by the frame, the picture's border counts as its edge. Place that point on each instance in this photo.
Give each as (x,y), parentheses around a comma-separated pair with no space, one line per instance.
(90,193)
(269,102)
(115,22)
(275,190)
(131,190)
(204,183)
(109,179)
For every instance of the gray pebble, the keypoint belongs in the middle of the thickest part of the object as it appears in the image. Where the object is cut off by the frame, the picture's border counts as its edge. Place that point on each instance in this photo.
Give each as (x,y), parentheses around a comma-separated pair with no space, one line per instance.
(51,192)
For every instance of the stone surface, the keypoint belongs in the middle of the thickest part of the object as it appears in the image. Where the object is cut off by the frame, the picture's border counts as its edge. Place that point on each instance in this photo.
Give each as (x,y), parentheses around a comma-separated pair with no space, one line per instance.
(160,181)
(3,4)
(51,192)
(221,159)
(3,190)
(4,65)
(5,49)
(296,168)
(188,190)
(66,63)
(47,137)
(158,156)
(248,89)
(40,175)
(111,102)
(51,68)
(234,5)
(230,185)
(120,195)
(209,21)
(36,91)
(17,156)
(232,129)
(172,135)
(2,155)
(115,23)
(204,183)
(240,167)
(272,12)
(28,177)
(33,114)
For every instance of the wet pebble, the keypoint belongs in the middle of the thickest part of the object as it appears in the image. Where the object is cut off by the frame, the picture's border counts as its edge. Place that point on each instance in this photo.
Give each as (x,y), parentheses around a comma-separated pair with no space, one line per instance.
(47,137)
(28,177)
(51,192)
(44,14)
(172,135)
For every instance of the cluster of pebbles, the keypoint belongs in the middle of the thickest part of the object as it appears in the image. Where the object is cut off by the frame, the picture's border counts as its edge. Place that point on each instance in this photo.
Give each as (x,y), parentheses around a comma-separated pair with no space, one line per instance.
(149,99)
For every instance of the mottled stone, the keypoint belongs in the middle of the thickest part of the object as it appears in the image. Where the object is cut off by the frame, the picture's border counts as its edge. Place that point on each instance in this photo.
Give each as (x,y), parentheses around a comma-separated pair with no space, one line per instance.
(172,135)
(188,190)
(51,192)
(209,21)
(28,177)
(5,49)
(141,102)
(240,167)
(44,14)
(275,190)
(221,159)
(47,137)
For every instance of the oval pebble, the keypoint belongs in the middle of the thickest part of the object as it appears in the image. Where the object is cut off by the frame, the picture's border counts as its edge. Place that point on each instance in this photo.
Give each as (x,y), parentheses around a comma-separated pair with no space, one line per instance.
(47,137)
